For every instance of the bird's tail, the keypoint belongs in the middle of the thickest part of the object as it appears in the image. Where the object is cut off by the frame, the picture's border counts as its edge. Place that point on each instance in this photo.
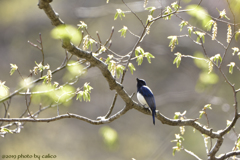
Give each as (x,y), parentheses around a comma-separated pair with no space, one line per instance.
(153,115)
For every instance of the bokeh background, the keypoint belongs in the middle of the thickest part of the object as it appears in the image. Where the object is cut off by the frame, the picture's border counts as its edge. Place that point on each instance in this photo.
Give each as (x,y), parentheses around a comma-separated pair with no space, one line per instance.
(175,89)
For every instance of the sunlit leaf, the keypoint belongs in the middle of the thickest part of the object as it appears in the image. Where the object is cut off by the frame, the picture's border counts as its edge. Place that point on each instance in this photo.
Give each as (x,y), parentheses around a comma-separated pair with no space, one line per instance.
(199,13)
(231,65)
(4,90)
(110,136)
(182,24)
(14,67)
(148,56)
(123,31)
(178,59)
(75,68)
(67,31)
(131,67)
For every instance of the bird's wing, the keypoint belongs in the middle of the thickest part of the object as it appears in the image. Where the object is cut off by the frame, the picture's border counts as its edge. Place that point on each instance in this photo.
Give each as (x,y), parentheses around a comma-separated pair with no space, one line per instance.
(148,95)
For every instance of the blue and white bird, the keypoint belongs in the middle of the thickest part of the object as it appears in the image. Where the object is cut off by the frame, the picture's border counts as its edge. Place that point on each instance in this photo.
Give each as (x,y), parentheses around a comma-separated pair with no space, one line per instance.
(145,97)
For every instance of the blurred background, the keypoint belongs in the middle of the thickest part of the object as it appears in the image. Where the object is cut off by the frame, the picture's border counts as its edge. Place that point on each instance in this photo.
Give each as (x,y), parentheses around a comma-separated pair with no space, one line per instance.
(175,89)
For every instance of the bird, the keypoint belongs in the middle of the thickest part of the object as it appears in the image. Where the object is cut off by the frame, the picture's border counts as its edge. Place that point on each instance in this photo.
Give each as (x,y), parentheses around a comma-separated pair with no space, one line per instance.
(145,97)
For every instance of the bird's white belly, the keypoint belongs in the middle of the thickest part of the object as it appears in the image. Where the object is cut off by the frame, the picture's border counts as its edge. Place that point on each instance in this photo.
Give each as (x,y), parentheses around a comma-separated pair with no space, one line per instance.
(142,100)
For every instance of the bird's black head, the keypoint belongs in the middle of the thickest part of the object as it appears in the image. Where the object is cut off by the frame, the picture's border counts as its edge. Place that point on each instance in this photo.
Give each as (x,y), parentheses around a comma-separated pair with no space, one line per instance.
(140,82)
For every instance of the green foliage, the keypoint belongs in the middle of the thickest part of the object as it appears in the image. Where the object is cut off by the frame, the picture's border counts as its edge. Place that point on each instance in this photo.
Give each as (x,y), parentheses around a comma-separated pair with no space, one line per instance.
(4,90)
(173,42)
(208,78)
(209,24)
(123,31)
(217,58)
(85,93)
(47,94)
(207,106)
(119,70)
(139,50)
(182,24)
(151,9)
(201,114)
(179,114)
(5,130)
(199,13)
(39,67)
(131,67)
(108,59)
(201,35)
(75,68)
(222,14)
(14,67)
(87,42)
(82,25)
(140,59)
(110,137)
(113,67)
(48,77)
(175,5)
(203,111)
(237,34)
(143,54)
(119,13)
(231,66)
(202,64)
(178,59)
(178,139)
(190,30)
(148,56)
(67,31)
(167,13)
(235,50)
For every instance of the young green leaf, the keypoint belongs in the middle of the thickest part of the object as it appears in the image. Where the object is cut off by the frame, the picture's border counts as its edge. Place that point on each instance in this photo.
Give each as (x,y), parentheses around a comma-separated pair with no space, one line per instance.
(201,114)
(151,9)
(14,67)
(216,58)
(139,50)
(119,13)
(149,56)
(178,58)
(131,67)
(4,90)
(108,59)
(119,70)
(177,114)
(168,11)
(182,24)
(209,24)
(123,31)
(235,50)
(82,25)
(237,34)
(190,30)
(199,13)
(207,106)
(175,5)
(67,31)
(222,14)
(231,65)
(140,59)
(173,42)
(6,130)
(200,35)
